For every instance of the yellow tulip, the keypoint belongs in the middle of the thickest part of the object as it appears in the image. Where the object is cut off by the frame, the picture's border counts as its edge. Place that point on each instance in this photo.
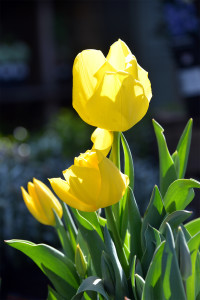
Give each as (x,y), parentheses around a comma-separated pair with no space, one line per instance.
(91,183)
(40,201)
(112,93)
(102,140)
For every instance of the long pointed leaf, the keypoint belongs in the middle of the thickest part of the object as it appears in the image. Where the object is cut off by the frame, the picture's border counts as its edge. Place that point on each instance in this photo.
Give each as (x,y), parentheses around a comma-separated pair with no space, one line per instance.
(154,214)
(135,225)
(129,171)
(167,168)
(121,287)
(153,283)
(191,287)
(183,148)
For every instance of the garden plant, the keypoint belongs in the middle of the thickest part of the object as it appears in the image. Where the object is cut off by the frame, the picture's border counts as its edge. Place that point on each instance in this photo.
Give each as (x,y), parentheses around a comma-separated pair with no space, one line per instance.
(110,251)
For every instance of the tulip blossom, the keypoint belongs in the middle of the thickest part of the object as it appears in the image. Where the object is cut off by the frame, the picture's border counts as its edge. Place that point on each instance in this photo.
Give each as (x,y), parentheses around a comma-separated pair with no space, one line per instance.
(111,93)
(41,202)
(102,140)
(91,183)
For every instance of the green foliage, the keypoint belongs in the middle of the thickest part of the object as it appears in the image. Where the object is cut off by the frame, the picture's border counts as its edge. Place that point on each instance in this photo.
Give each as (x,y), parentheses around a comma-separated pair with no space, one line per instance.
(155,256)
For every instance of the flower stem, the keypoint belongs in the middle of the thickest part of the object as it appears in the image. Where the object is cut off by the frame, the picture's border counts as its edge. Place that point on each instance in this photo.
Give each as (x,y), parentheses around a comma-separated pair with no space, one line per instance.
(115,154)
(117,240)
(115,158)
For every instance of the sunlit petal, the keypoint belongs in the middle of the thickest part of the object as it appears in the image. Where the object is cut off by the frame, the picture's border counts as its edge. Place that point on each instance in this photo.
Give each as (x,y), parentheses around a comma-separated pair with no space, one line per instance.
(30,204)
(117,106)
(113,184)
(62,189)
(102,140)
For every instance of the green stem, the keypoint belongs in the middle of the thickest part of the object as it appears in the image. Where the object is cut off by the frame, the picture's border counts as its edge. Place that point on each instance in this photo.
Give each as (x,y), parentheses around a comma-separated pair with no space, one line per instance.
(115,154)
(118,243)
(115,158)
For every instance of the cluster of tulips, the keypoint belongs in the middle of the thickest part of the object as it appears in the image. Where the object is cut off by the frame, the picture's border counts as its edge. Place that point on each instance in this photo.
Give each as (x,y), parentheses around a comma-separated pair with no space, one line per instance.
(111,94)
(108,250)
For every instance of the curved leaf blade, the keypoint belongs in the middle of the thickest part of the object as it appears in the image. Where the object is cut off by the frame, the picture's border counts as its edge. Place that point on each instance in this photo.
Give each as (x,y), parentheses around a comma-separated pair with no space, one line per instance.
(167,168)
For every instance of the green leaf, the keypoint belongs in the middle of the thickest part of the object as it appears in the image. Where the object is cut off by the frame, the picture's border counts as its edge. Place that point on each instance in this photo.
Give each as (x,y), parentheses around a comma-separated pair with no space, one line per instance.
(152,241)
(91,283)
(172,282)
(53,295)
(89,220)
(139,283)
(128,161)
(108,274)
(69,223)
(154,214)
(176,160)
(191,284)
(47,257)
(174,219)
(102,221)
(153,283)
(179,194)
(133,276)
(167,168)
(135,225)
(121,287)
(64,239)
(193,227)
(183,148)
(183,255)
(93,218)
(197,276)
(95,246)
(62,288)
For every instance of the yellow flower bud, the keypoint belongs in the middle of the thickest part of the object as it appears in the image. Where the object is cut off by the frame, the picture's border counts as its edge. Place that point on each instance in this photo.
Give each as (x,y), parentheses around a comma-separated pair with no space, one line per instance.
(40,201)
(112,93)
(102,140)
(91,183)
(80,262)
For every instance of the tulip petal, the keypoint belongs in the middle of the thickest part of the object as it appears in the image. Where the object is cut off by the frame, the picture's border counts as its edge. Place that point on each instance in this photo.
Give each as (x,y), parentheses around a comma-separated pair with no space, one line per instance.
(119,107)
(86,65)
(117,55)
(102,140)
(113,184)
(143,77)
(61,188)
(84,183)
(37,204)
(32,207)
(87,159)
(48,200)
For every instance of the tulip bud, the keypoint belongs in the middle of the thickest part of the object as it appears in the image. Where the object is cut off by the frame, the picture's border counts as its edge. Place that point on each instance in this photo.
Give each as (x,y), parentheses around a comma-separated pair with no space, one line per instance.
(41,202)
(80,262)
(183,255)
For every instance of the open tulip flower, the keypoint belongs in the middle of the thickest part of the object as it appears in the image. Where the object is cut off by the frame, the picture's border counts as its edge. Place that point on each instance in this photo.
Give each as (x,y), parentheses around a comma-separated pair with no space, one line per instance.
(93,182)
(112,93)
(40,201)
